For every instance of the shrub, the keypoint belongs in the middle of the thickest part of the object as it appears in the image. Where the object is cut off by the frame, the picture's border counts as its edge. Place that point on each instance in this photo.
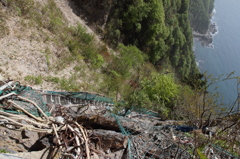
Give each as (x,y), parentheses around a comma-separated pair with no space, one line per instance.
(157,92)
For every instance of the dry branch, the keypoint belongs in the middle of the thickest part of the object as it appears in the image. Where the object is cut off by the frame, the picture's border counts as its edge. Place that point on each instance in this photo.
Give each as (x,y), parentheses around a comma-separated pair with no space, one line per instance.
(39,109)
(26,112)
(18,117)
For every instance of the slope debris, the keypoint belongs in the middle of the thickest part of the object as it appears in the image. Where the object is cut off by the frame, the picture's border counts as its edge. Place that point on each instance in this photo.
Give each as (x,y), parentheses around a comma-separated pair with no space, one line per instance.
(80,125)
(68,132)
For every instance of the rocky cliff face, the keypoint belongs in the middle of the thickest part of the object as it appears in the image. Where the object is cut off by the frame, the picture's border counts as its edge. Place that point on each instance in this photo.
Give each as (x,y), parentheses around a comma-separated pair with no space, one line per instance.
(95,12)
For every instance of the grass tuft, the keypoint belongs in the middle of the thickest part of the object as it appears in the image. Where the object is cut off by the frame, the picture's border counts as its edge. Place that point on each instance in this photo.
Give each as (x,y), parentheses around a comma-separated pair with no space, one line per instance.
(37,80)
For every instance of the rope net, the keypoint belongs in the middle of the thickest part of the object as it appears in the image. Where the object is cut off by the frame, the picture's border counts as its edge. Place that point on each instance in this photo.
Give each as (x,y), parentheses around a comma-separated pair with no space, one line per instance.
(147,141)
(82,96)
(21,96)
(151,142)
(144,139)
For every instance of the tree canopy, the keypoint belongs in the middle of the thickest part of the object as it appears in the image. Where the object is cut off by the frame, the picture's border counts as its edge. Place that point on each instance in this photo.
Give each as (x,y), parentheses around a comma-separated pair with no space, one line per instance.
(159,28)
(199,13)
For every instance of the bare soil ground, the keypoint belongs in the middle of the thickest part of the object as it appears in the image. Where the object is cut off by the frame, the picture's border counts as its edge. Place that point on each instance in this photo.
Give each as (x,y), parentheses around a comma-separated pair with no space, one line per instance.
(21,54)
(22,50)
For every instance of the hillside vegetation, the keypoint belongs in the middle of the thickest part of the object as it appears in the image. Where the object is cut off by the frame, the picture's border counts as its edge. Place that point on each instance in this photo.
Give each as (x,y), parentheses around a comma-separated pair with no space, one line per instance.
(200,12)
(151,60)
(160,29)
(141,55)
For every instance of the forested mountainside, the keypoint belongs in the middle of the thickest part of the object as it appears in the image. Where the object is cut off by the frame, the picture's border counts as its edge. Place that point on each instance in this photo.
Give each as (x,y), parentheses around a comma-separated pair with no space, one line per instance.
(155,32)
(200,13)
(161,29)
(151,60)
(140,56)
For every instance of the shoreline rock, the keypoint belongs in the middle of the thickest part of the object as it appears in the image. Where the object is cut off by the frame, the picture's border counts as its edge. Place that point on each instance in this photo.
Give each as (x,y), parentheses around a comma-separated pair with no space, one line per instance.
(207,39)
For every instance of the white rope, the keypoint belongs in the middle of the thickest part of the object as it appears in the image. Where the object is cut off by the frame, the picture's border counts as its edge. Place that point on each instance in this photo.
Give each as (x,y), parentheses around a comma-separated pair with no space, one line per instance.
(20,108)
(39,109)
(25,127)
(22,118)
(7,95)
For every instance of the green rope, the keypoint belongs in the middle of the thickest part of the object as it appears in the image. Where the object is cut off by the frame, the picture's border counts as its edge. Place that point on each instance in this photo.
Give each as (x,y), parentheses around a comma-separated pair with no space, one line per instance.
(28,93)
(224,151)
(84,96)
(124,132)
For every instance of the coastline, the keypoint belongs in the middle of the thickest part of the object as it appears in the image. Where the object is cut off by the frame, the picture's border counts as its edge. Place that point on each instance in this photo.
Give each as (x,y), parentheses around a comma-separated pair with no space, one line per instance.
(207,39)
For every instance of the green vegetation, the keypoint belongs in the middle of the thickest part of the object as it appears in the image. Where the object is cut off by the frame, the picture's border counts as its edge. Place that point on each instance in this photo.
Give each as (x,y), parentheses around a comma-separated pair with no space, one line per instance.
(78,46)
(161,29)
(35,14)
(152,65)
(37,80)
(200,13)
(152,61)
(201,155)
(82,46)
(3,27)
(68,84)
(121,69)
(3,151)
(47,54)
(150,38)
(156,92)
(227,145)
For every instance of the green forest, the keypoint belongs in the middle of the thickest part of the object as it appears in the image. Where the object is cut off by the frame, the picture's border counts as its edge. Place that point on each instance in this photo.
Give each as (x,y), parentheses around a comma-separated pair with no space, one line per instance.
(143,60)
(152,63)
(200,14)
(161,31)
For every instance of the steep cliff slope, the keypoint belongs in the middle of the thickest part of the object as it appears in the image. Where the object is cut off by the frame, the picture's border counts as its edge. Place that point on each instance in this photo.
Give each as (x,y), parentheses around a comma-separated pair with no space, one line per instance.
(31,47)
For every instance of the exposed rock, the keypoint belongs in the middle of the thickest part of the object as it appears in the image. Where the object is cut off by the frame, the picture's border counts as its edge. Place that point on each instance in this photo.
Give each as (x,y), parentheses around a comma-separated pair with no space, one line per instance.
(9,156)
(109,140)
(41,143)
(110,123)
(4,2)
(8,150)
(95,12)
(29,134)
(206,39)
(11,141)
(27,155)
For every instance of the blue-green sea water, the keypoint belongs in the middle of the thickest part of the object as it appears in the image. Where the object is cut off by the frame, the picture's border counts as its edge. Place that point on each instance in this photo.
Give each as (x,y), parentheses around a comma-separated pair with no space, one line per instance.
(225,56)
